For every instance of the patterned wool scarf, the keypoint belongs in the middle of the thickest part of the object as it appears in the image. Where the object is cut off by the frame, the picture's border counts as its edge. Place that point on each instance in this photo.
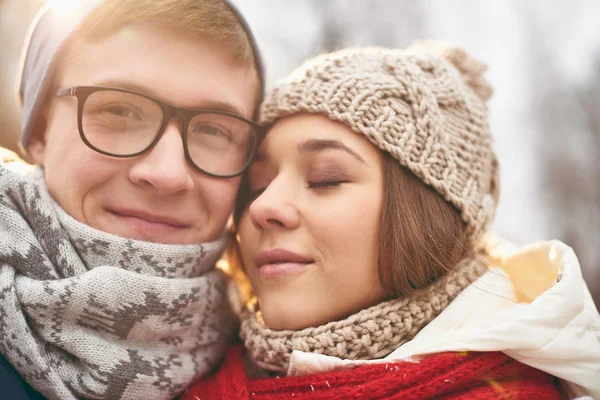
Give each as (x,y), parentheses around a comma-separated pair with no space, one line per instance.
(88,314)
(369,334)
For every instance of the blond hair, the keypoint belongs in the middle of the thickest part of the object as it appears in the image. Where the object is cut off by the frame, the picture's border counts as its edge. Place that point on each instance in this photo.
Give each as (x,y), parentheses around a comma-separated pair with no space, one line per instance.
(213,19)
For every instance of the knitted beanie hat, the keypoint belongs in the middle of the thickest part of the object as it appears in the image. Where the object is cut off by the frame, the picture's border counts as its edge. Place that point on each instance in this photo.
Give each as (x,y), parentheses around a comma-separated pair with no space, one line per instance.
(425,105)
(48,33)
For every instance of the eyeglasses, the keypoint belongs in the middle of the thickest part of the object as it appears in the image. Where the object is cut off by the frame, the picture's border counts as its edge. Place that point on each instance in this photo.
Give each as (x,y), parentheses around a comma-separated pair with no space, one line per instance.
(122,123)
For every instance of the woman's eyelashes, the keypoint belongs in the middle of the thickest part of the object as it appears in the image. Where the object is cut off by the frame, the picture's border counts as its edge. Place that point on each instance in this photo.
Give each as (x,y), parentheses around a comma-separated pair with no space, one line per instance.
(253,194)
(325,184)
(326,176)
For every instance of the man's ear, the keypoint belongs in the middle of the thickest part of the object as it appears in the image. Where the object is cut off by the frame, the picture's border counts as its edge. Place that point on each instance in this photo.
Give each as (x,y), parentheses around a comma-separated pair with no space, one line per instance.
(36,147)
(37,150)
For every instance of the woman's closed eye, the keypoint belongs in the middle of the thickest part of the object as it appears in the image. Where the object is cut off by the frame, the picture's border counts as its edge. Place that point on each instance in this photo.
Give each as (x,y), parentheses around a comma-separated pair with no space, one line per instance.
(327,184)
(253,194)
(324,175)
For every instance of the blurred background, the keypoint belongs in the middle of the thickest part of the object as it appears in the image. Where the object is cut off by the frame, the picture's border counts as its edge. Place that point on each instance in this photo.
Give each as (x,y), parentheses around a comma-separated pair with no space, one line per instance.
(544,59)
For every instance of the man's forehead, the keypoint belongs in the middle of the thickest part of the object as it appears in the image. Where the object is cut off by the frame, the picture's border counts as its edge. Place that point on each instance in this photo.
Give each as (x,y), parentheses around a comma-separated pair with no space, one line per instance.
(180,70)
(148,90)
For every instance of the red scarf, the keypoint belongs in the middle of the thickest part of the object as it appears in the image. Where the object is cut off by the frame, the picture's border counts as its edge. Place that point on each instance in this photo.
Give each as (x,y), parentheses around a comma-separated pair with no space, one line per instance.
(490,375)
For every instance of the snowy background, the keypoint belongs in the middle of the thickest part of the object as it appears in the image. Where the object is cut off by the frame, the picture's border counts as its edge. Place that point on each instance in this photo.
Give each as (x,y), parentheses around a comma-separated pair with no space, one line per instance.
(544,59)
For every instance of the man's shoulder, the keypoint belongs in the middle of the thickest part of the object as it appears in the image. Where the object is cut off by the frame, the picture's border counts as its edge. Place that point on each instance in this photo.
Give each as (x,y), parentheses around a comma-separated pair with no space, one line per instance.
(13,385)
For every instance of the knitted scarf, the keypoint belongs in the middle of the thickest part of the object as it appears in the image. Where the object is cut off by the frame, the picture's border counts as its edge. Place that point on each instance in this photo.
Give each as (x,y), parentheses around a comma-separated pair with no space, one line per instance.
(369,334)
(88,314)
(449,376)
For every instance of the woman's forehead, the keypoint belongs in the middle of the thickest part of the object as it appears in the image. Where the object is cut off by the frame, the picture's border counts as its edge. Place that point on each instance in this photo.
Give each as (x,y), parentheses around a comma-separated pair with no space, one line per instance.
(309,134)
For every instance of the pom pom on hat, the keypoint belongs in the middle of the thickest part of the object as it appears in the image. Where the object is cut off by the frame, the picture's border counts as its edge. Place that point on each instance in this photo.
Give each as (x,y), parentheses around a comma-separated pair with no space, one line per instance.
(471,69)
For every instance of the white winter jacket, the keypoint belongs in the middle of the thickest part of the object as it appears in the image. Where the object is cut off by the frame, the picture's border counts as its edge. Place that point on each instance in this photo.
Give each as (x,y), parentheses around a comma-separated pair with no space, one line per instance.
(532,304)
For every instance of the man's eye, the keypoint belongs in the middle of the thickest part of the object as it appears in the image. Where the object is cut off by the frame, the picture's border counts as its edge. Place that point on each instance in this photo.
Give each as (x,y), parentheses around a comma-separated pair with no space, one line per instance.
(211,130)
(120,111)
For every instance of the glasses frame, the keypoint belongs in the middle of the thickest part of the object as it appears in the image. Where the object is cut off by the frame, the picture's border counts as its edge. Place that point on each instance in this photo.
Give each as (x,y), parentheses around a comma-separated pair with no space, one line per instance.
(184,115)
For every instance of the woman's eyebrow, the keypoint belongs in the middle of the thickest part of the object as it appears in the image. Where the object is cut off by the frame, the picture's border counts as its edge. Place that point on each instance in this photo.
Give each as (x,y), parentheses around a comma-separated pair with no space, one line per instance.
(314,145)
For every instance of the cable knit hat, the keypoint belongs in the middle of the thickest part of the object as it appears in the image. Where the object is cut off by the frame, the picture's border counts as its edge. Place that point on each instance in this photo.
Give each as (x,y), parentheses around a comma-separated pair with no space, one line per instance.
(425,105)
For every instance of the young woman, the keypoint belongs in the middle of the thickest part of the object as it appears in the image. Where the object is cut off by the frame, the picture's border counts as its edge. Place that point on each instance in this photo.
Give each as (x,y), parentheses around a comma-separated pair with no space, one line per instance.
(362,230)
(108,285)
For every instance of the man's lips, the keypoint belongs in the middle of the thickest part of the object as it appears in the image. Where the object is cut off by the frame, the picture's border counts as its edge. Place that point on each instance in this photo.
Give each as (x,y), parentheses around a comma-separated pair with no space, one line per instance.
(148,227)
(276,262)
(150,217)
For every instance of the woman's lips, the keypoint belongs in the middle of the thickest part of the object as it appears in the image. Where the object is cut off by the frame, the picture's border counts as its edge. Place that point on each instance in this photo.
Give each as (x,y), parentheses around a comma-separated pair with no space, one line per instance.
(278,262)
(275,270)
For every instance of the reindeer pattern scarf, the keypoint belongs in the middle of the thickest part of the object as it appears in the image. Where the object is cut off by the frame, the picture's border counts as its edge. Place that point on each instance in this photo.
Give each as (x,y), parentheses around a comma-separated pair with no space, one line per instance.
(88,314)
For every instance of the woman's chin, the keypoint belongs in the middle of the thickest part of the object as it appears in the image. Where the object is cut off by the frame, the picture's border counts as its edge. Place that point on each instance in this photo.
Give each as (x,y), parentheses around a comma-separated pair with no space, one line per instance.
(284,323)
(292,315)
(282,316)
(282,310)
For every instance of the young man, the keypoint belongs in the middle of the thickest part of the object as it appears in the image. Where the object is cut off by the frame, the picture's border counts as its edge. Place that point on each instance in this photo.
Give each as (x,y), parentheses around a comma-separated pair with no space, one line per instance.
(138,116)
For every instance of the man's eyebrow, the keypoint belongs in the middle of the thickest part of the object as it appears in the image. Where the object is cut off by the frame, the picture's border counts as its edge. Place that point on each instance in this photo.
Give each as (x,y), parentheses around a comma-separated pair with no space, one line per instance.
(314,145)
(214,105)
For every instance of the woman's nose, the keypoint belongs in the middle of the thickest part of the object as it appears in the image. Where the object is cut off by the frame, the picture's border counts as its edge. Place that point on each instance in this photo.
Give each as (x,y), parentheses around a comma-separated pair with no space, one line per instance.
(275,207)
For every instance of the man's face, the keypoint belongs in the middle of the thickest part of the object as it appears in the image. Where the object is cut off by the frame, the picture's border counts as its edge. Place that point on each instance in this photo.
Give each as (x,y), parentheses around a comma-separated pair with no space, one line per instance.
(158,196)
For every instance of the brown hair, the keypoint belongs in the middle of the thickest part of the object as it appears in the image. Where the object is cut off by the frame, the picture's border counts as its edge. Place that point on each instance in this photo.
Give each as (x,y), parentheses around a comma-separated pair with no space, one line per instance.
(422,237)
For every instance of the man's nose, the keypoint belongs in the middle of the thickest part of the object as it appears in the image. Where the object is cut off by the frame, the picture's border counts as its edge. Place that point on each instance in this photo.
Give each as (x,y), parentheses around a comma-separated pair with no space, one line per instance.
(164,167)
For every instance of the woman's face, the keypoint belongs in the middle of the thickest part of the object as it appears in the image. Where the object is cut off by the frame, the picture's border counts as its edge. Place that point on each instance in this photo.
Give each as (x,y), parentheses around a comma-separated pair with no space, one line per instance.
(309,235)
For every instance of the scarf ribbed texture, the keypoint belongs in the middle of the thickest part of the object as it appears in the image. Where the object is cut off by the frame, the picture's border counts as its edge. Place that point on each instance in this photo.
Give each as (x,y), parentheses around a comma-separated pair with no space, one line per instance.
(369,334)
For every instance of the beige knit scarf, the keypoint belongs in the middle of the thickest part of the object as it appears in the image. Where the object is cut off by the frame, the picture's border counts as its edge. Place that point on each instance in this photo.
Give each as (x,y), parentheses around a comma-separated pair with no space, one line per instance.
(369,334)
(85,314)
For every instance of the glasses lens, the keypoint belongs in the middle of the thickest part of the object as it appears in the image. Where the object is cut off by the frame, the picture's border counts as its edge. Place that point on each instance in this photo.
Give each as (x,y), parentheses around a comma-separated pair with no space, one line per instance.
(220,144)
(120,123)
